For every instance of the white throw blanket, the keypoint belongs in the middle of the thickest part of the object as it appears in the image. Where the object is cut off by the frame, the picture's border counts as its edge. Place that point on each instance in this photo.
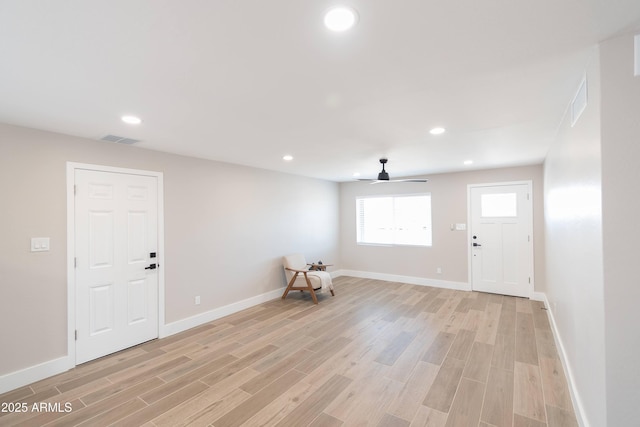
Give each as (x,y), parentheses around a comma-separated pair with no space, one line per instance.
(323,276)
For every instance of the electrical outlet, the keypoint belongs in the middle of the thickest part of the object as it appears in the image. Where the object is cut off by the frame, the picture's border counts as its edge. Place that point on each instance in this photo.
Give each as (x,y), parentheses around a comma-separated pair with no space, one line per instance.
(439,270)
(198,300)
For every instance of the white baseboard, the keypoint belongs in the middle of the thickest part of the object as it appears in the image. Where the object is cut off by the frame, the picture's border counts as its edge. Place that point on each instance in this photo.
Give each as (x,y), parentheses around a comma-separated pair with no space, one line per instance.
(573,391)
(540,296)
(217,313)
(421,281)
(26,376)
(35,373)
(17,379)
(537,296)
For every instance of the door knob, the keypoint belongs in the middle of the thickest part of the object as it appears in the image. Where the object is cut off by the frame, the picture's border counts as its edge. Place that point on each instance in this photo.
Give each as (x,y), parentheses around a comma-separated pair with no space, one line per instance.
(476,244)
(151,267)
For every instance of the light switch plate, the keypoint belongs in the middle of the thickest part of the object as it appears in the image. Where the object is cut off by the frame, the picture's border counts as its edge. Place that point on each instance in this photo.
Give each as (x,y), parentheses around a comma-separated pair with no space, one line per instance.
(40,244)
(461,227)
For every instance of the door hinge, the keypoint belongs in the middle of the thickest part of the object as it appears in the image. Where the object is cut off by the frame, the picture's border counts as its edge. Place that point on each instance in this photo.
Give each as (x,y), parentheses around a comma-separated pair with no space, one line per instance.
(76,334)
(529,280)
(527,196)
(75,190)
(528,238)
(75,262)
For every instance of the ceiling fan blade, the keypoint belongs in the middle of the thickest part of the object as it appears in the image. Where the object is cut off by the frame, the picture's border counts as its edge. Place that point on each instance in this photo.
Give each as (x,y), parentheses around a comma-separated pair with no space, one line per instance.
(383,176)
(381,181)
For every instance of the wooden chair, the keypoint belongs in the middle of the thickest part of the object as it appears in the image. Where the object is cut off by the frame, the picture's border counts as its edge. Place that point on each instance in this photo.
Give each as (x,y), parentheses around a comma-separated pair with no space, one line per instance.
(302,279)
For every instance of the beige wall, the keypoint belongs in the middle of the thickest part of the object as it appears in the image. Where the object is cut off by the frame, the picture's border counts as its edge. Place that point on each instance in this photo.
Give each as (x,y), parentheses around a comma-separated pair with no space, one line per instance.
(449,205)
(573,227)
(226,228)
(621,231)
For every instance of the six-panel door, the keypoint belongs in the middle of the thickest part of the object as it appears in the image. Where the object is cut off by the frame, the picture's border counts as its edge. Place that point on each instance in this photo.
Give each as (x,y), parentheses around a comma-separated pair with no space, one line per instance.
(116,229)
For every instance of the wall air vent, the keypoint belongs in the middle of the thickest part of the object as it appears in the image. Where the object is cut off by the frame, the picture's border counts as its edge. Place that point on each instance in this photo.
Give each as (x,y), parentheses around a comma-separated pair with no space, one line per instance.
(119,139)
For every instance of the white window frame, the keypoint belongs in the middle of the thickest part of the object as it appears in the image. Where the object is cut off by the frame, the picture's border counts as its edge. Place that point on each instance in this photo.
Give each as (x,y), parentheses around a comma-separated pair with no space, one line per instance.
(394,196)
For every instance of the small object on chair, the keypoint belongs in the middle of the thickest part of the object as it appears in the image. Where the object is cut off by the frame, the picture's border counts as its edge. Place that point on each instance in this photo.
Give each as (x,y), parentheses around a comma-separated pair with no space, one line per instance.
(317,267)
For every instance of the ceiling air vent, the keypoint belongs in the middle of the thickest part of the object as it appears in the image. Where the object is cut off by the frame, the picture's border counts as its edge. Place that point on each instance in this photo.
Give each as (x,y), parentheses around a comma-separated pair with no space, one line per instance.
(119,139)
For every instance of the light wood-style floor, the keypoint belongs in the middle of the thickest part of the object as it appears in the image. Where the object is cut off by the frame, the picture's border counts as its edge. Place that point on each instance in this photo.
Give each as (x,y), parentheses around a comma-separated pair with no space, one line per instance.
(376,354)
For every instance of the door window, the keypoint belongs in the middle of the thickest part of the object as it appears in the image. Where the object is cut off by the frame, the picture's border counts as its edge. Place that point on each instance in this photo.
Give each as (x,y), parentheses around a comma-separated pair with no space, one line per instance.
(501,205)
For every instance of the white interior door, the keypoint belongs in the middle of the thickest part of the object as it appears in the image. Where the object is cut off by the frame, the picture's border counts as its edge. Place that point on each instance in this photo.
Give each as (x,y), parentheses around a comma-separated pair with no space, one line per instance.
(116,242)
(501,239)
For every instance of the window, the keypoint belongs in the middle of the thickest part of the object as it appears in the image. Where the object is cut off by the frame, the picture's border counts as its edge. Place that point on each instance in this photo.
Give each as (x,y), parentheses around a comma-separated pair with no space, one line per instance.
(503,205)
(394,220)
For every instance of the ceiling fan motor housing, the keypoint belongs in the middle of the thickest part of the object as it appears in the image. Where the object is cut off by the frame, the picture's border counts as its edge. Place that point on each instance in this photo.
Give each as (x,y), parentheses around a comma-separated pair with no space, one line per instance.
(383,175)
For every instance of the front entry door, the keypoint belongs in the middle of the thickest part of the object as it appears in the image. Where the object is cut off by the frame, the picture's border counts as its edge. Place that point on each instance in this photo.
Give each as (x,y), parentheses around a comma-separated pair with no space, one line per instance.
(501,241)
(116,233)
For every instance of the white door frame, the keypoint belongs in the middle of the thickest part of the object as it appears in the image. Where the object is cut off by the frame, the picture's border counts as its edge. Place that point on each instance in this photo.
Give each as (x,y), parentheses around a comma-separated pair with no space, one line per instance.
(71,249)
(529,185)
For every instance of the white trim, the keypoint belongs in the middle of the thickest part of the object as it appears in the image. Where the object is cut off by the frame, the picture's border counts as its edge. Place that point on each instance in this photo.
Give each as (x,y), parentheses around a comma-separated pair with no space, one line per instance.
(26,376)
(71,250)
(581,415)
(393,196)
(529,184)
(217,313)
(71,277)
(540,296)
(421,281)
(636,59)
(579,101)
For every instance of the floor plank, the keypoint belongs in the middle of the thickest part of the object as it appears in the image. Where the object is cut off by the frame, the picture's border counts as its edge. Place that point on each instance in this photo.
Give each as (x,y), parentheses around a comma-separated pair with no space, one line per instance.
(395,348)
(428,417)
(439,349)
(466,407)
(415,390)
(324,420)
(313,406)
(443,390)
(389,420)
(526,349)
(554,385)
(248,408)
(477,367)
(558,417)
(498,399)
(528,396)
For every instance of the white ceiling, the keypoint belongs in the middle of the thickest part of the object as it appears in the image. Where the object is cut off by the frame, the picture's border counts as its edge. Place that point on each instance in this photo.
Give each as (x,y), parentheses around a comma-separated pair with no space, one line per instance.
(247,81)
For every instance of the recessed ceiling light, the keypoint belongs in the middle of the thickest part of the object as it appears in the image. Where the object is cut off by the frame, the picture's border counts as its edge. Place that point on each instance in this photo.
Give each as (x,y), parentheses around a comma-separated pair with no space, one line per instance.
(287,158)
(340,18)
(132,120)
(437,131)
(468,162)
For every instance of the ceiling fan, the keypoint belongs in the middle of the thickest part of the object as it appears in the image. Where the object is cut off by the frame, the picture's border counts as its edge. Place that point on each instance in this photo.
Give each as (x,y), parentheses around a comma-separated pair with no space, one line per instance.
(383,176)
